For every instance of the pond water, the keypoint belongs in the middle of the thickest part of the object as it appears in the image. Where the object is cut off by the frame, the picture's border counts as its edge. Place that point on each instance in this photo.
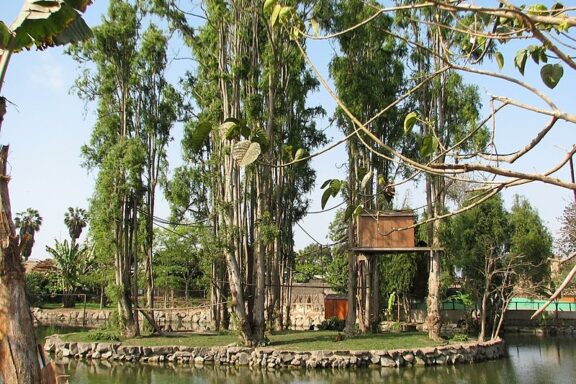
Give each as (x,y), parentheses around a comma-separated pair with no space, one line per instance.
(531,360)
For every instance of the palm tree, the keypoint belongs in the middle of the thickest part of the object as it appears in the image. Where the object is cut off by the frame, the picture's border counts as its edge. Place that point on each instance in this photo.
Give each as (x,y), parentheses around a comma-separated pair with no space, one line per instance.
(29,223)
(75,219)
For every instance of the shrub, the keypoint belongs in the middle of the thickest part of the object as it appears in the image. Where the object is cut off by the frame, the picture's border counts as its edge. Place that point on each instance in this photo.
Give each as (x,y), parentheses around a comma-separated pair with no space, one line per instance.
(332,324)
(103,334)
(459,337)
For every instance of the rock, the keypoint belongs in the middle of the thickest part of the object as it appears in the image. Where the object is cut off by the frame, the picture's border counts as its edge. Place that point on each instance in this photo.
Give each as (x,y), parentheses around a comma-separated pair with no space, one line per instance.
(199,360)
(161,350)
(387,362)
(107,355)
(409,358)
(286,357)
(84,348)
(182,355)
(50,344)
(441,360)
(153,359)
(243,358)
(103,347)
(420,361)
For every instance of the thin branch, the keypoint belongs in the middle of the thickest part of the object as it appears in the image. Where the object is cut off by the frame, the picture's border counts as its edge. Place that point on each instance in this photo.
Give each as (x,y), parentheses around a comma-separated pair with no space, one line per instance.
(557,293)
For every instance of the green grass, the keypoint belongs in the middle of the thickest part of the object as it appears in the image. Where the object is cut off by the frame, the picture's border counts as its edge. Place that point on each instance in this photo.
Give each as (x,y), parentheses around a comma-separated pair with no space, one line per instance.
(293,340)
(79,306)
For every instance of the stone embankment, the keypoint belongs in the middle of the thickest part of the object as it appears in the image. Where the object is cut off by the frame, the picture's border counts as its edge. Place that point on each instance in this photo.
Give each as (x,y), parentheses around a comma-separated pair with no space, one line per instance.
(273,358)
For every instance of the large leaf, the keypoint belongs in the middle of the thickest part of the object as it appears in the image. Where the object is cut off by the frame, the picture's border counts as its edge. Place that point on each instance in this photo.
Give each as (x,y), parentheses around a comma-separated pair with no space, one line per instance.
(246,152)
(269,5)
(199,136)
(366,179)
(499,60)
(409,122)
(551,74)
(79,5)
(275,13)
(429,145)
(326,183)
(325,196)
(5,35)
(520,60)
(260,136)
(229,129)
(48,23)
(299,154)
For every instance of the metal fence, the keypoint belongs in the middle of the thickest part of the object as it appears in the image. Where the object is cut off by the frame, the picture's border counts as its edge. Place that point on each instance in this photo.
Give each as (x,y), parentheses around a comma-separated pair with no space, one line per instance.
(516,304)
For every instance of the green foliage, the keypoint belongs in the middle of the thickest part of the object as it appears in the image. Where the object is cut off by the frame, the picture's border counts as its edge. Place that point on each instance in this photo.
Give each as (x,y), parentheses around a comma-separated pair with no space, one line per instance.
(45,24)
(180,257)
(312,261)
(551,74)
(409,122)
(337,271)
(29,223)
(332,324)
(459,338)
(531,239)
(73,262)
(75,220)
(473,237)
(332,188)
(40,288)
(395,327)
(103,334)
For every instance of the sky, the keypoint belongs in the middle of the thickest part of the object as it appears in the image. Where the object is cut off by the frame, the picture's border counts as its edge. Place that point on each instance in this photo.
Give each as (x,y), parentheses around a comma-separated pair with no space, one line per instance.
(46,124)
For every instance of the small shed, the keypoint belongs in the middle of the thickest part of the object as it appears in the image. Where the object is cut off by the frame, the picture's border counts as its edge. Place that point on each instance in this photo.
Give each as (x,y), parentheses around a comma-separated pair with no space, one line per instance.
(386,229)
(335,306)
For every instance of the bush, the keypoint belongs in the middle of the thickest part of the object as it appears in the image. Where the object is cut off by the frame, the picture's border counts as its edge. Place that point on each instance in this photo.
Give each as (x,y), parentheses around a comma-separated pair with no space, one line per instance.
(459,337)
(332,324)
(395,327)
(39,288)
(103,334)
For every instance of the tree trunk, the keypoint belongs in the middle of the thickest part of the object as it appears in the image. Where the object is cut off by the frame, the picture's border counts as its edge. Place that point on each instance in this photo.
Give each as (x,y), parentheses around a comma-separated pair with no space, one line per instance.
(433,320)
(482,335)
(351,316)
(103,300)
(18,350)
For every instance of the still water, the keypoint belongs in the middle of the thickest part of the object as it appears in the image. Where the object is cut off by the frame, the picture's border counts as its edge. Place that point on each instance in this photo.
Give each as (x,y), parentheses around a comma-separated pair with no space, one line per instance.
(531,360)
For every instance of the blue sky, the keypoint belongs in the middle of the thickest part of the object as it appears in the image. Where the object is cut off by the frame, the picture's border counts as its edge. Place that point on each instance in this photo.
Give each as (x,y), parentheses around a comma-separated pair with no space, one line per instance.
(47,125)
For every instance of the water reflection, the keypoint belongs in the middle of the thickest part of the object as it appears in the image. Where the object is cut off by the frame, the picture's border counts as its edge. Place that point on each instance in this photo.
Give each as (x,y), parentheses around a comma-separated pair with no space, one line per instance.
(532,360)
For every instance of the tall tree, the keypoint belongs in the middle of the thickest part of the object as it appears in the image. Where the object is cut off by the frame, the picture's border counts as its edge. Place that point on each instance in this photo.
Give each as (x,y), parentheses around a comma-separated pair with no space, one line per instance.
(499,252)
(158,104)
(29,223)
(251,86)
(76,220)
(478,240)
(368,73)
(136,110)
(41,24)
